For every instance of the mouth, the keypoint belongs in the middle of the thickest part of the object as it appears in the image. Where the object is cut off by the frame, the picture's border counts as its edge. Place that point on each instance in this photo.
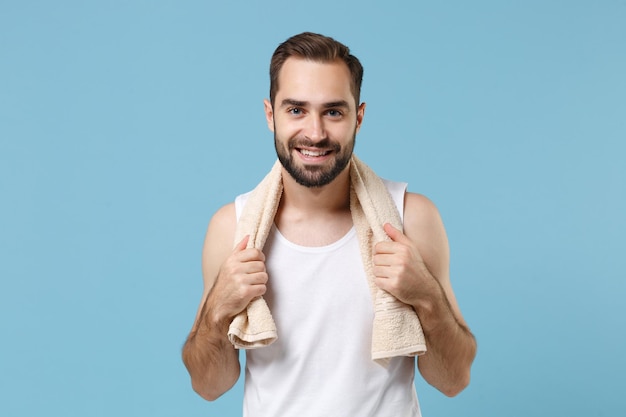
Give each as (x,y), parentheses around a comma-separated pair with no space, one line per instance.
(309,153)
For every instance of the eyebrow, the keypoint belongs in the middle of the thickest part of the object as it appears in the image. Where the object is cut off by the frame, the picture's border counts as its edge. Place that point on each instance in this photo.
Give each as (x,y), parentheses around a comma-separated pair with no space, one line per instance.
(299,103)
(340,103)
(292,102)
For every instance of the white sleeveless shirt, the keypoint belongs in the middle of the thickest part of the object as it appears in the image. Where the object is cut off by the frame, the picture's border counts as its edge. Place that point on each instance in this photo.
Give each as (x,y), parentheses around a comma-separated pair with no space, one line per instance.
(321,364)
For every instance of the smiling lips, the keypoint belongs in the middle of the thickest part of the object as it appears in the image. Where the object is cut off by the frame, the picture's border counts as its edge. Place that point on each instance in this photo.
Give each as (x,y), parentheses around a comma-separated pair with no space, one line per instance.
(310,153)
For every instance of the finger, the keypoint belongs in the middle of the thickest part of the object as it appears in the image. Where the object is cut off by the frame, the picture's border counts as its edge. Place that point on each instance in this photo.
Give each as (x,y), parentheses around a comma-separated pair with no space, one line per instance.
(253,267)
(395,234)
(242,244)
(383,259)
(382,283)
(250,255)
(258,278)
(385,247)
(257,290)
(381,272)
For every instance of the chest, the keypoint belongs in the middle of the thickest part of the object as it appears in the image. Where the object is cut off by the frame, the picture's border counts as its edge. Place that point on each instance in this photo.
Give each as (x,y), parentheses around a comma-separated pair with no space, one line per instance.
(319,231)
(316,285)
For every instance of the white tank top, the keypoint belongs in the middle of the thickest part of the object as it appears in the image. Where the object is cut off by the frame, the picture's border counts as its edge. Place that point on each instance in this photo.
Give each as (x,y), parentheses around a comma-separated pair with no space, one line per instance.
(321,364)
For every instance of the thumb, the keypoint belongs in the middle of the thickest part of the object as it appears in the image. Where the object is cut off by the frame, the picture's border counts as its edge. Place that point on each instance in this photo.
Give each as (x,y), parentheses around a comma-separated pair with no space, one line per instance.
(395,234)
(242,244)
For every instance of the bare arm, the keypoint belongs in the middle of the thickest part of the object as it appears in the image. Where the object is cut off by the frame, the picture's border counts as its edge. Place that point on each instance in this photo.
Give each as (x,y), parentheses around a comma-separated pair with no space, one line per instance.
(231,279)
(414,267)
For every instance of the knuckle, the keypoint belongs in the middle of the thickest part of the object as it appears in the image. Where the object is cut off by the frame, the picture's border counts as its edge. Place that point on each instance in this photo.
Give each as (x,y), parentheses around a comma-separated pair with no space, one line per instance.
(260,266)
(394,286)
(262,289)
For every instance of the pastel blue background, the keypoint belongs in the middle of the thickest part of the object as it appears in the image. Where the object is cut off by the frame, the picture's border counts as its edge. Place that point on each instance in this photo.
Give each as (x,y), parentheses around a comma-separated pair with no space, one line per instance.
(125,124)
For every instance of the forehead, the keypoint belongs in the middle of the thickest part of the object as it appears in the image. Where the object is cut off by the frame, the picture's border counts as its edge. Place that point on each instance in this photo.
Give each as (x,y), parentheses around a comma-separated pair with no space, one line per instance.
(312,81)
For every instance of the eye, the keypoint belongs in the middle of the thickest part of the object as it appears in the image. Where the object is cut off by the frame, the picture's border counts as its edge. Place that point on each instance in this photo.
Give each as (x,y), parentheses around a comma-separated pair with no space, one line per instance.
(334,113)
(295,111)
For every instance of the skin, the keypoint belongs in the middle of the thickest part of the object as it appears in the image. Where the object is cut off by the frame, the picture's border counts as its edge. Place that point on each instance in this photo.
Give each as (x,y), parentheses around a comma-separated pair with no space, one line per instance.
(315,119)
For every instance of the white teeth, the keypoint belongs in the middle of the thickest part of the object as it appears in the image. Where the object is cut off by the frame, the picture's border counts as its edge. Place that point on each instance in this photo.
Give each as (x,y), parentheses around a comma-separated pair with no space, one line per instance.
(312,153)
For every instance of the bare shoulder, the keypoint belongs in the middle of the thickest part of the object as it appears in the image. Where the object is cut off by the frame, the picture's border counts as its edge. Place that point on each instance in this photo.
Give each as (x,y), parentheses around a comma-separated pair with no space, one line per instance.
(421,213)
(223,221)
(218,242)
(424,226)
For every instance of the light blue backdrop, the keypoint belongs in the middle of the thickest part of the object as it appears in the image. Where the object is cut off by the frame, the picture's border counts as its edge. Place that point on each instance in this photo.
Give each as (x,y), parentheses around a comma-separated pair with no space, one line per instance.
(125,124)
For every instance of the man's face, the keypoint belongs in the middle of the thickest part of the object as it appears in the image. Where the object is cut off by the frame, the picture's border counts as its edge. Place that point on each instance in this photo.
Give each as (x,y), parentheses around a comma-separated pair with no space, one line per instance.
(314,120)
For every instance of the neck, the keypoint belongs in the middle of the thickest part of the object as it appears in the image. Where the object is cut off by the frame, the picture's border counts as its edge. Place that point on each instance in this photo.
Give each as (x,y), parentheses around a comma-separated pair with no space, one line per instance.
(332,197)
(315,216)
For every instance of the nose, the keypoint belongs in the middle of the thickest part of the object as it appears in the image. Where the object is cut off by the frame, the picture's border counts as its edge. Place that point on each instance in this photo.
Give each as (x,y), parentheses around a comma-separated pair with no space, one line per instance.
(315,128)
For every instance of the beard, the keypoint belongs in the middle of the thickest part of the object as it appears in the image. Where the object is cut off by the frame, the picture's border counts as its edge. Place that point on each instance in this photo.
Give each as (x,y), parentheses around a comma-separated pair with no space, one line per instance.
(312,176)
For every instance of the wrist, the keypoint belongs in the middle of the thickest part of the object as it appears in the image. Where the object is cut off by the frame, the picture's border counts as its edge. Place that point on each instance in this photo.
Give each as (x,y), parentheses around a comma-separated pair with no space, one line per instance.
(218,321)
(434,310)
(214,320)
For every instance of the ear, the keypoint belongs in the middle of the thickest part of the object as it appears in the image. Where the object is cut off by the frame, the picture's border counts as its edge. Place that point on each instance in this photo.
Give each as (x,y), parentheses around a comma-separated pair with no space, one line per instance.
(269,114)
(360,112)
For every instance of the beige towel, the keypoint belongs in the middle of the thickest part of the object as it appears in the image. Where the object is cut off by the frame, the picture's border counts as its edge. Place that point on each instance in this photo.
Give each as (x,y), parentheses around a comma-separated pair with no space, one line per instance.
(396,328)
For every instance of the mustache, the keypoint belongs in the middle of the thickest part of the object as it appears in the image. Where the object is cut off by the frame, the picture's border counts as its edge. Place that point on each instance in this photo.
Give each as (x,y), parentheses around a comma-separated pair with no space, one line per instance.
(307,143)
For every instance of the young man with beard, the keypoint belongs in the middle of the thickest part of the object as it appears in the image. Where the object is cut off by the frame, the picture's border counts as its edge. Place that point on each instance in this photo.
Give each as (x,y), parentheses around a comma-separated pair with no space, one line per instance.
(310,271)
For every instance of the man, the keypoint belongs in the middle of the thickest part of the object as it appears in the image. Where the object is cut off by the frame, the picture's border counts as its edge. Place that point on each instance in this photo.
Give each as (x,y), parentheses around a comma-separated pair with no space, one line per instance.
(320,363)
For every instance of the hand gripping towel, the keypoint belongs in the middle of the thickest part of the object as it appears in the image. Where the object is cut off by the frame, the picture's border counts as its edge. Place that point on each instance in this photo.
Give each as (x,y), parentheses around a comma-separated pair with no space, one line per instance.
(396,329)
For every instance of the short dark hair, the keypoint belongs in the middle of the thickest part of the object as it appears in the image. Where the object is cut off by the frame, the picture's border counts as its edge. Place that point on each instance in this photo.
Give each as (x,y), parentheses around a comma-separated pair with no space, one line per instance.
(315,47)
